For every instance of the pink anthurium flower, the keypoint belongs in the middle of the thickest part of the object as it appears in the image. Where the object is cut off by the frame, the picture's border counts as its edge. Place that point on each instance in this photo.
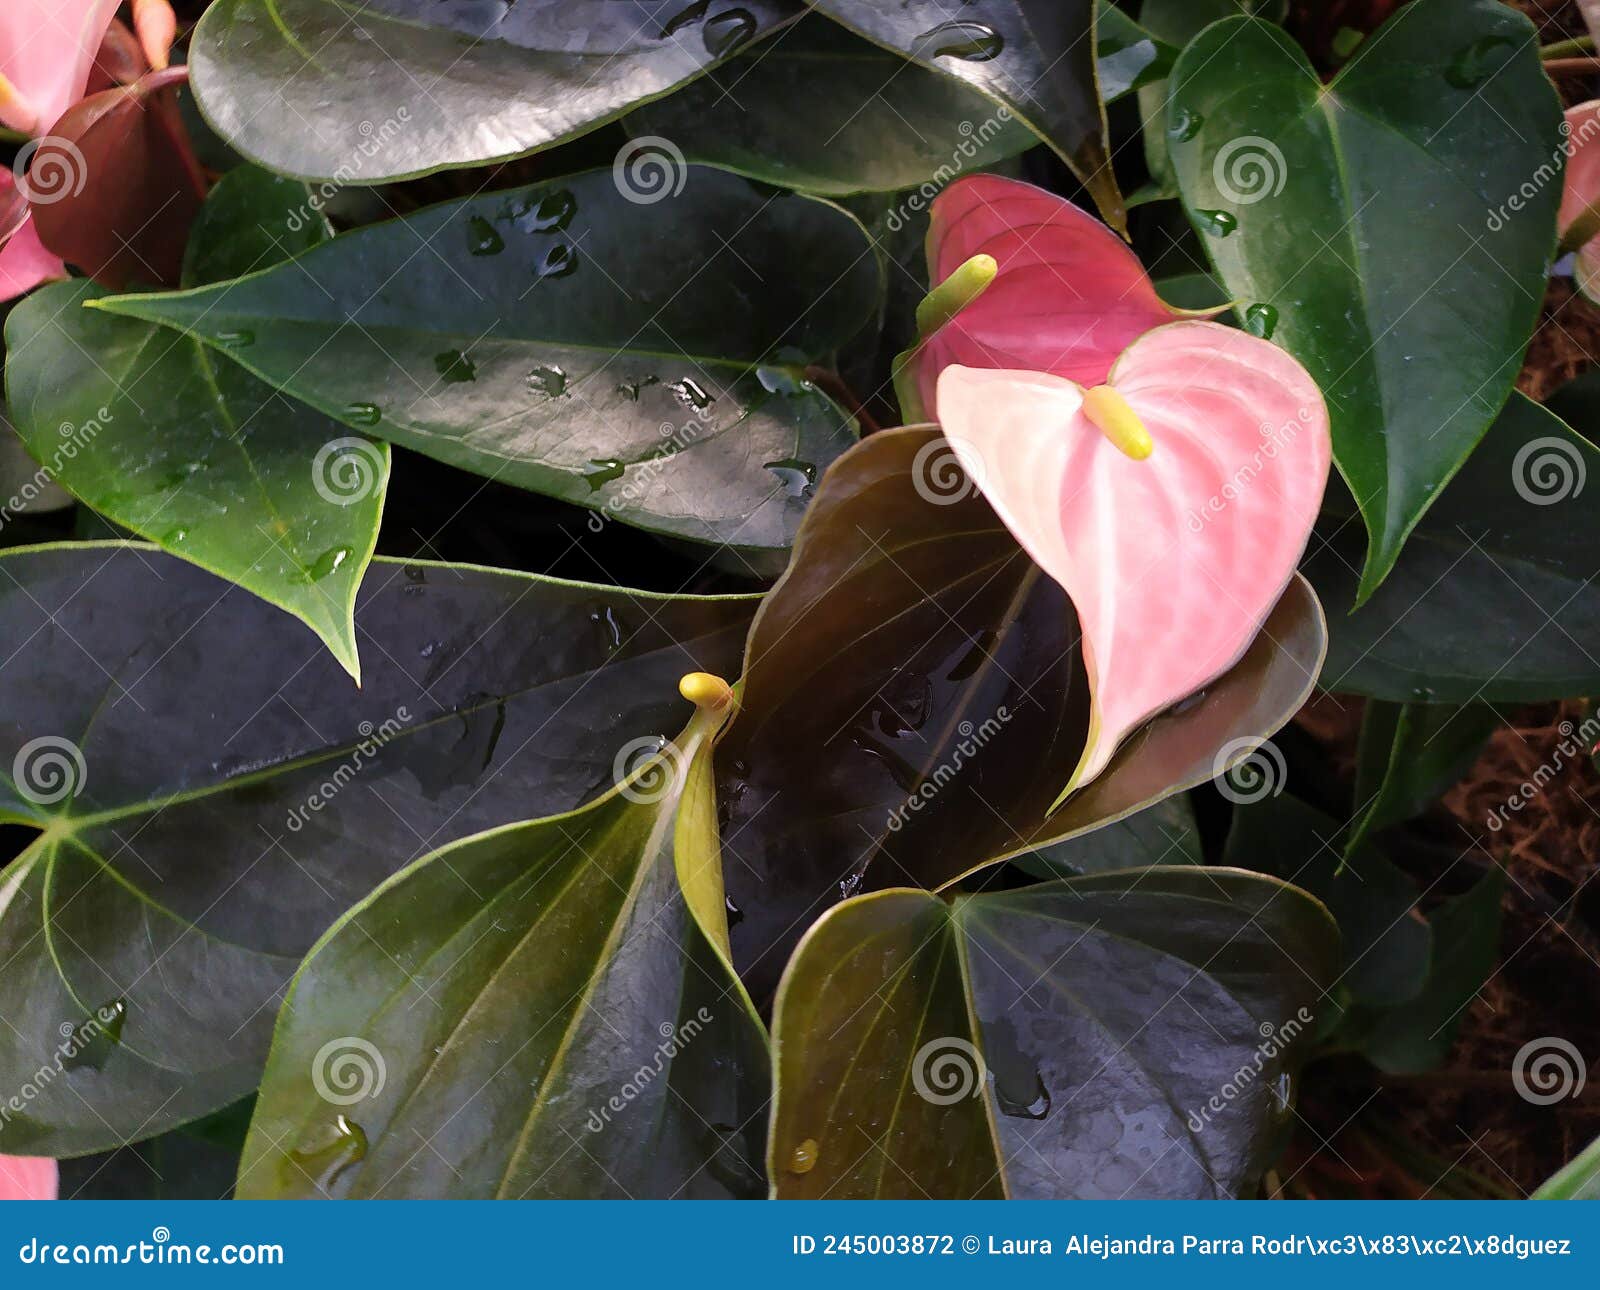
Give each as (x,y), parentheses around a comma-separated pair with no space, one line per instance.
(28,1178)
(1579,217)
(1169,487)
(1069,295)
(46,50)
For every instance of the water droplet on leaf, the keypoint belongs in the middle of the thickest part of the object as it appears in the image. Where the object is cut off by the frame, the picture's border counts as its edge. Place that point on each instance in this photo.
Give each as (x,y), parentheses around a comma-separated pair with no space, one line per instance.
(482,238)
(1261,320)
(976,42)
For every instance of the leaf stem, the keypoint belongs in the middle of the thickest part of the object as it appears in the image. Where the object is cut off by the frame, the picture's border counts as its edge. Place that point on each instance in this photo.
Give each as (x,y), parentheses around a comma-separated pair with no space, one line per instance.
(1562,48)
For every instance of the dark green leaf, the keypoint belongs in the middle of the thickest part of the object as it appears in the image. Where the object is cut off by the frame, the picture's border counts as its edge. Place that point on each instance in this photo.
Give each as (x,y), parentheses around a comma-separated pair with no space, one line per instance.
(1066,1040)
(644,360)
(213,792)
(915,701)
(158,434)
(1388,219)
(1417,1035)
(395,88)
(1034,57)
(1165,833)
(539,1005)
(1493,598)
(1410,753)
(1385,945)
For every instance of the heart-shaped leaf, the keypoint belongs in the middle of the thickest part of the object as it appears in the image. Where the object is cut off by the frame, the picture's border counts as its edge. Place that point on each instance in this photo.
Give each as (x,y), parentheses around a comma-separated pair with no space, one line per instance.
(542,1005)
(915,700)
(1035,57)
(1062,1041)
(523,335)
(157,433)
(406,87)
(1164,833)
(1068,295)
(1414,305)
(1492,599)
(1173,557)
(213,792)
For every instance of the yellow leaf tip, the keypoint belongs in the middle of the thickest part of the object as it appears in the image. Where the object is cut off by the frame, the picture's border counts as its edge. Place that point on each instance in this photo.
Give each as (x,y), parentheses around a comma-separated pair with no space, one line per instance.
(706,691)
(1116,419)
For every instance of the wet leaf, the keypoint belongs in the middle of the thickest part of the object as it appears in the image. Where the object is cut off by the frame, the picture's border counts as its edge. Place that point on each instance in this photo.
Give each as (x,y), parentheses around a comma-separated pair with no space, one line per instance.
(533,343)
(213,792)
(160,434)
(542,1005)
(407,87)
(1061,1041)
(1414,310)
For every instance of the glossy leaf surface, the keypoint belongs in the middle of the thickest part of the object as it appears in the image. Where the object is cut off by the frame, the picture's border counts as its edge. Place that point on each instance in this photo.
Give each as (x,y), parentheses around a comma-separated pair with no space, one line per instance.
(1059,1041)
(213,792)
(406,87)
(1412,312)
(162,435)
(545,1010)
(532,342)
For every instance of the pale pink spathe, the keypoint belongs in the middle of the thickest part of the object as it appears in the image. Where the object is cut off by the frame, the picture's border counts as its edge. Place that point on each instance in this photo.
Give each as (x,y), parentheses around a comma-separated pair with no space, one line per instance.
(1172,562)
(28,1178)
(46,50)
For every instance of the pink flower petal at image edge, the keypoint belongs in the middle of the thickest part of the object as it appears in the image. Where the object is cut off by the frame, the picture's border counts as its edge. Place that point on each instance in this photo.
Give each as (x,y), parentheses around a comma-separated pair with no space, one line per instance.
(1582,189)
(24,262)
(46,50)
(1069,297)
(28,1178)
(1173,562)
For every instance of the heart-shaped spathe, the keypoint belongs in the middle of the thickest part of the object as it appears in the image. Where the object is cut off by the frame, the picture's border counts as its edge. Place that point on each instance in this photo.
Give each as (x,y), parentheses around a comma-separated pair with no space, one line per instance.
(1068,297)
(28,1178)
(1580,196)
(1173,561)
